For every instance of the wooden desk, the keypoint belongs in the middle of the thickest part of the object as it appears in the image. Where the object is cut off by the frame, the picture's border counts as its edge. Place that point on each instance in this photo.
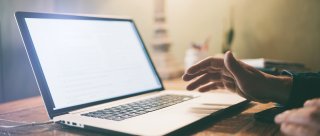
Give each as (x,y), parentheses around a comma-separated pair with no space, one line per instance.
(33,110)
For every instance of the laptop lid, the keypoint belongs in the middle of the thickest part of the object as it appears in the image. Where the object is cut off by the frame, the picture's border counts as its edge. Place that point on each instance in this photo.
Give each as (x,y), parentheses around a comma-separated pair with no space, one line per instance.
(79,61)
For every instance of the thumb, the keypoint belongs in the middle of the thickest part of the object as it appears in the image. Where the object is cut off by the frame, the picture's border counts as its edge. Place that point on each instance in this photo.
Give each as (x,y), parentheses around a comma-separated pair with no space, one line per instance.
(234,67)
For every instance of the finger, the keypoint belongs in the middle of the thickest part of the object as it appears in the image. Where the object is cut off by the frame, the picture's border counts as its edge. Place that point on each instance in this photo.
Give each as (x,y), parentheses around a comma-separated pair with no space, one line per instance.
(188,77)
(202,80)
(229,85)
(226,72)
(298,130)
(313,102)
(309,116)
(227,78)
(234,67)
(214,63)
(239,74)
(211,86)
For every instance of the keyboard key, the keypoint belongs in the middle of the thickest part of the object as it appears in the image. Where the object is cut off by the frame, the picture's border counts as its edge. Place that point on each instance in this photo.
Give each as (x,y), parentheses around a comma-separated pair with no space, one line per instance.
(130,110)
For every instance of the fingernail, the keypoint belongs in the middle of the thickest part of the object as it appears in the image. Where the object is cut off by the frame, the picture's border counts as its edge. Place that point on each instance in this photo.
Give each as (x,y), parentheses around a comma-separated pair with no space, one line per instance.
(189,88)
(201,90)
(278,119)
(183,77)
(307,103)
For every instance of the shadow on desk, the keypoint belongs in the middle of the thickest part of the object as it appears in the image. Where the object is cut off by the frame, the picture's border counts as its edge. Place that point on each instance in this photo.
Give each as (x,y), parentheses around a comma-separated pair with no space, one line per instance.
(207,122)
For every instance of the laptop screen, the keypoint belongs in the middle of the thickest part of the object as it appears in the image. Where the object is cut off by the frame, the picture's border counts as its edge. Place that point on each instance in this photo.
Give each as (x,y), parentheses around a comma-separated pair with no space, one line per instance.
(85,61)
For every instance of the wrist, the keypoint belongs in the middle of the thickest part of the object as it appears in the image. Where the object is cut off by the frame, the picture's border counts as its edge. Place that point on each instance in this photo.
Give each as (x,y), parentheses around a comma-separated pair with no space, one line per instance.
(281,88)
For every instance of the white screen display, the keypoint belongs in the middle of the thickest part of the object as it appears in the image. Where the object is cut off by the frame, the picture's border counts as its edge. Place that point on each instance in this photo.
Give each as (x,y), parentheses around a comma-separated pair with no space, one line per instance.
(85,61)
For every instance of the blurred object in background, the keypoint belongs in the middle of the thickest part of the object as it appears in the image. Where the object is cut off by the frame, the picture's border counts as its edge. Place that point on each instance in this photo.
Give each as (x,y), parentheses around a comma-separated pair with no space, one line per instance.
(196,53)
(228,35)
(275,66)
(165,63)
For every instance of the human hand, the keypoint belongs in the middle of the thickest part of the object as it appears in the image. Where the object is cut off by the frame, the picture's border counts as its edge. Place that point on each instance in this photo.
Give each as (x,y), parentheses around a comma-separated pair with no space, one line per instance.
(301,122)
(236,76)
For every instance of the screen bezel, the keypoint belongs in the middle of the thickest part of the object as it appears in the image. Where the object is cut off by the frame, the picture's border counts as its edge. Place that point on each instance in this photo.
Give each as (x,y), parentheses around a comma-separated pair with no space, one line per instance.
(38,72)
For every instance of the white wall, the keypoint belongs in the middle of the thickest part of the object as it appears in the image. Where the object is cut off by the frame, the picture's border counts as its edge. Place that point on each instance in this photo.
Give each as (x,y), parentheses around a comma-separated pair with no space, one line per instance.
(279,29)
(194,21)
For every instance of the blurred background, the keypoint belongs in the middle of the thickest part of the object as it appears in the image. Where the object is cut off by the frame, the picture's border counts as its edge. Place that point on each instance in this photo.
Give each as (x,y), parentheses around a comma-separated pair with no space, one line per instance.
(287,30)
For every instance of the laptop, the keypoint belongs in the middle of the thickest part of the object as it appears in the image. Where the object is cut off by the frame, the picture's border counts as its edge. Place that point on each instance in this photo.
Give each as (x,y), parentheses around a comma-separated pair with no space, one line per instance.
(95,73)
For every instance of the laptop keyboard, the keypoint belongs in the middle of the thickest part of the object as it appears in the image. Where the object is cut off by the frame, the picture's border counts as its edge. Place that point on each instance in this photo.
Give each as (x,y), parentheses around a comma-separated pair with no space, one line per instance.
(130,110)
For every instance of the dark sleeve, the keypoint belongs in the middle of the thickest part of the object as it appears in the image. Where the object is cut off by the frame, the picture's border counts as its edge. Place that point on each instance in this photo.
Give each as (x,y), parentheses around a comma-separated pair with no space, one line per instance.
(305,86)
